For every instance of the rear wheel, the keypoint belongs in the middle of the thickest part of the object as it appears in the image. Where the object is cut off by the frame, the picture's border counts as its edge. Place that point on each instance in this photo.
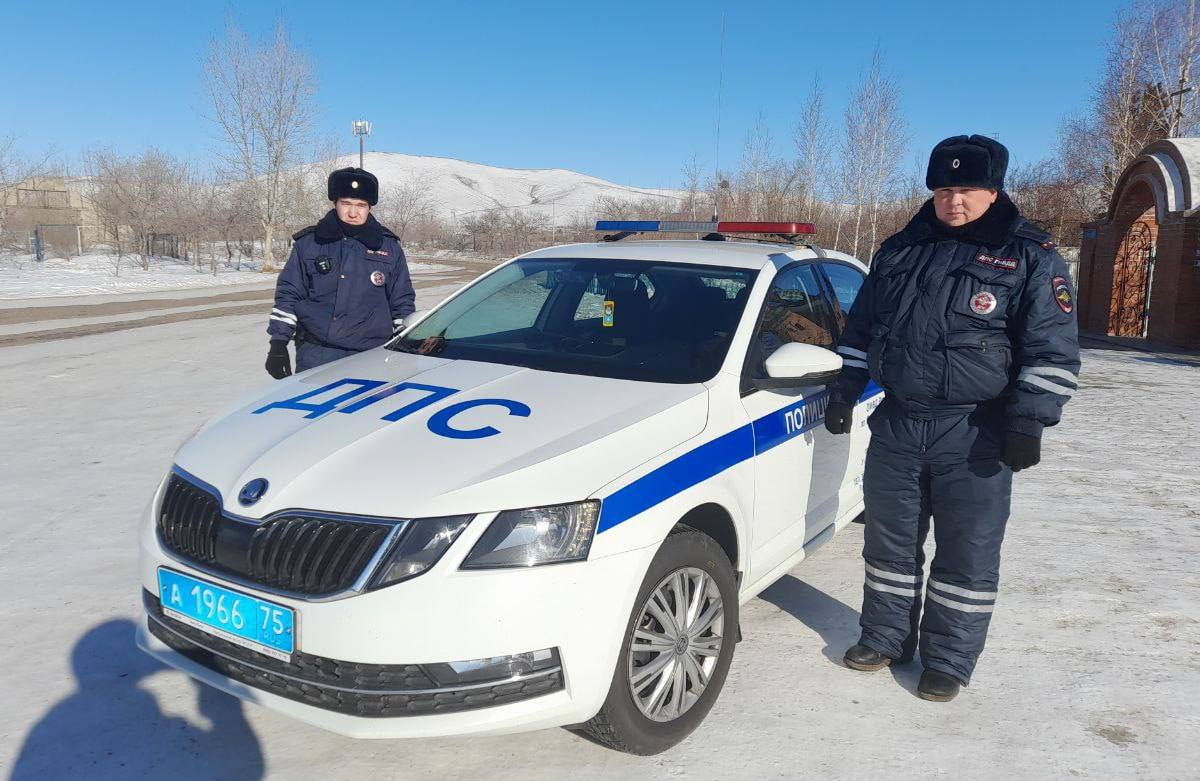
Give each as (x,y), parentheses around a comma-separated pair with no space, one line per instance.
(677,648)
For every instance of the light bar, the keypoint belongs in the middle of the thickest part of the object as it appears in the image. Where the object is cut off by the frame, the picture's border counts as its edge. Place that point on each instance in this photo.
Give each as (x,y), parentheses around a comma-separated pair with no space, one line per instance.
(683,226)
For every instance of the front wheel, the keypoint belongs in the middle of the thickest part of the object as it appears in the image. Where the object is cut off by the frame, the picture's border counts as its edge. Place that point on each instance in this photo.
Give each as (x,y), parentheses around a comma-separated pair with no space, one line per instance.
(677,648)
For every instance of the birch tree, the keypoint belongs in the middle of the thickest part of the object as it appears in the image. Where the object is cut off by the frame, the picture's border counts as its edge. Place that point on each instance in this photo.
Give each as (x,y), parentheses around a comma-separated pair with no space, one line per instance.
(261,97)
(814,156)
(872,148)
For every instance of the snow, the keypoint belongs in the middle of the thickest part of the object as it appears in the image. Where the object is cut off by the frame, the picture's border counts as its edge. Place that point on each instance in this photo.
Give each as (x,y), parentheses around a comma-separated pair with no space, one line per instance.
(1092,668)
(21,276)
(458,187)
(101,273)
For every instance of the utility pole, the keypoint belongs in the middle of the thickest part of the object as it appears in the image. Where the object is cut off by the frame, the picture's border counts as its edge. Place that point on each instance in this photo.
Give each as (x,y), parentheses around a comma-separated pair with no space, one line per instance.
(362,129)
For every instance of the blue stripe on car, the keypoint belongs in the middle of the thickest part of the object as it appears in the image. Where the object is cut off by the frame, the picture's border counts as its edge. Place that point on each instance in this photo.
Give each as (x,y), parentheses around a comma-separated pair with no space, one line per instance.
(715,456)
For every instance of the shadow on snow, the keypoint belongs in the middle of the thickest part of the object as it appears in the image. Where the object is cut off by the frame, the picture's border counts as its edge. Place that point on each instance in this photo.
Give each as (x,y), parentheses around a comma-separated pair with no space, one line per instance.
(111,726)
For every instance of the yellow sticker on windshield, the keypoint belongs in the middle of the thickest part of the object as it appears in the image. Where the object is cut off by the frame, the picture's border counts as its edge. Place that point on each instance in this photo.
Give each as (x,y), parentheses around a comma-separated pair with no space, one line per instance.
(607,317)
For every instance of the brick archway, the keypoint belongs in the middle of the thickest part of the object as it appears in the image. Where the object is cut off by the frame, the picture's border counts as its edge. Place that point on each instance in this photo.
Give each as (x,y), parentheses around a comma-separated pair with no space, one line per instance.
(1132,275)
(1139,274)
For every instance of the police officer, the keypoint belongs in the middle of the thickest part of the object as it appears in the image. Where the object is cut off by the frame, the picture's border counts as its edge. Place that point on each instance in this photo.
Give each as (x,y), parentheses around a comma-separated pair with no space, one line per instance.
(967,322)
(345,287)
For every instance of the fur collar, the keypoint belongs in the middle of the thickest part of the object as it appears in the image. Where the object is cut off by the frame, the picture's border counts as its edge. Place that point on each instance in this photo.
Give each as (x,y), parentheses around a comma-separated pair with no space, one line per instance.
(331,229)
(994,229)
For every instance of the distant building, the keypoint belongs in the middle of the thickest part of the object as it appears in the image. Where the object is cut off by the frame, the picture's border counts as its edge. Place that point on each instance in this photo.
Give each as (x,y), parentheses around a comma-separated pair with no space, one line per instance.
(54,206)
(1139,274)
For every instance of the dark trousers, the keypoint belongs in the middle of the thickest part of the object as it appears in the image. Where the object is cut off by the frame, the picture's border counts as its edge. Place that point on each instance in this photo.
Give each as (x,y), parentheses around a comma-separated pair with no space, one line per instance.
(945,466)
(310,355)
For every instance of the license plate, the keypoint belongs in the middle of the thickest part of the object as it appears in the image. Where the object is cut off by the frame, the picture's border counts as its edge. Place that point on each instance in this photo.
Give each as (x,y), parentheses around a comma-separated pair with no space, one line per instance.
(239,618)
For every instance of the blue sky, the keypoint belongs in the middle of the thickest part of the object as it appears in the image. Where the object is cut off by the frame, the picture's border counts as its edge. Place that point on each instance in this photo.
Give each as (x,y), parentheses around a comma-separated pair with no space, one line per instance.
(625,91)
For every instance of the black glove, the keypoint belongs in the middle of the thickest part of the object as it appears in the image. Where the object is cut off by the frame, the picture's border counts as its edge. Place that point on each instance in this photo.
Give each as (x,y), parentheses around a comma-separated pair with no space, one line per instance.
(279,363)
(1021,450)
(838,418)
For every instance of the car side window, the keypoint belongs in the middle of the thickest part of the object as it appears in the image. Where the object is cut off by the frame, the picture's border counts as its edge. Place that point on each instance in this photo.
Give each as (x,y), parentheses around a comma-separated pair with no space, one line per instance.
(846,282)
(796,310)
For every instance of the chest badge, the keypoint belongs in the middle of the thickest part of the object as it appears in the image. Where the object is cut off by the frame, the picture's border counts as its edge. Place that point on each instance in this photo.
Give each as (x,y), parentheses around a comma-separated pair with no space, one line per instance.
(377,278)
(983,303)
(1003,264)
(323,264)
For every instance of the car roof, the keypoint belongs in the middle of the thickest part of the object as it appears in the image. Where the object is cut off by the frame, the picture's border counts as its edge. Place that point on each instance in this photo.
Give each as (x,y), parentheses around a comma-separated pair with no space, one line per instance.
(730,253)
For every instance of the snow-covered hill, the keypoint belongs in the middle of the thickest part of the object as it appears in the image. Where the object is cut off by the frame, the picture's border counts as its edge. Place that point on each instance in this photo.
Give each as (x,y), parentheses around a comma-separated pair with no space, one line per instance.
(457,187)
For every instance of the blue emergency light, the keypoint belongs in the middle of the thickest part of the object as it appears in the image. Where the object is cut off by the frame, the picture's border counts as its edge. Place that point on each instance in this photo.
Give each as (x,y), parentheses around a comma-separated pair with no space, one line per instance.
(724,226)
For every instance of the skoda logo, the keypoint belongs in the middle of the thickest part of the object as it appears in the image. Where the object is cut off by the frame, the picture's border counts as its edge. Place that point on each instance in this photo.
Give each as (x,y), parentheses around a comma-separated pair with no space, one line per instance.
(252,491)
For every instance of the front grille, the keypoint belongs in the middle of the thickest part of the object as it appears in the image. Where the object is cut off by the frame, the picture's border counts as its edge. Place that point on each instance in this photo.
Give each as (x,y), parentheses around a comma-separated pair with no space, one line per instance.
(371,690)
(312,555)
(298,553)
(189,520)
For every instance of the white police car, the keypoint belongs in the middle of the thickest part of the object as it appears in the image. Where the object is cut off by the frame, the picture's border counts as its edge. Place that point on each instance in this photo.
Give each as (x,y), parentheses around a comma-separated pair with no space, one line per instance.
(540,505)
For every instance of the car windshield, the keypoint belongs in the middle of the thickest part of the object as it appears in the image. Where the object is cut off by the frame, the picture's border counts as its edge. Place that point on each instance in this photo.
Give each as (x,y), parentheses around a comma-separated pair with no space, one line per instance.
(626,319)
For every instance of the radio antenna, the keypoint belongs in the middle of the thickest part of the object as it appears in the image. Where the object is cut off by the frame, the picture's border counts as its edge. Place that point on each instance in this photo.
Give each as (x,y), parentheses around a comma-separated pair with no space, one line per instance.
(717,156)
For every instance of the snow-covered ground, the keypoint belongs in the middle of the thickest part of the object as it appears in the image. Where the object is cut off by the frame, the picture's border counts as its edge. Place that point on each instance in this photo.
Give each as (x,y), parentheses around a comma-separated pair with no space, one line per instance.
(1092,670)
(23,277)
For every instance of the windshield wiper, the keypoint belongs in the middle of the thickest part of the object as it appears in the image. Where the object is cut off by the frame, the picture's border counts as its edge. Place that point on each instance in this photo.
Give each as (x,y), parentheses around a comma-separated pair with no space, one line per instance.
(432,345)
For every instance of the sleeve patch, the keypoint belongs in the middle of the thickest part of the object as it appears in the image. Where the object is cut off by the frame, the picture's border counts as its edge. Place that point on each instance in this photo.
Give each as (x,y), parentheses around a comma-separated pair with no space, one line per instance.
(1062,294)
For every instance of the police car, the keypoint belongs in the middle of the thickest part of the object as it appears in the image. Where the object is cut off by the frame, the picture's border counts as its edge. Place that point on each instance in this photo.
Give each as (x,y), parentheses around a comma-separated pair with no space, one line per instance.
(541,504)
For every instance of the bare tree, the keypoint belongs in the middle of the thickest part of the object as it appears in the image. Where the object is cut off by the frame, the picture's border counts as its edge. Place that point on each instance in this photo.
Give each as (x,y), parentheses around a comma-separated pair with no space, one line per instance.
(484,229)
(1048,198)
(405,203)
(694,202)
(261,95)
(873,145)
(137,197)
(1152,51)
(814,156)
(522,225)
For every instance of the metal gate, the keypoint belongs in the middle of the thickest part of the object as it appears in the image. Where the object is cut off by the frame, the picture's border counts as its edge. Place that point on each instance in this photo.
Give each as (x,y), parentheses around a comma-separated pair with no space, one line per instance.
(1129,310)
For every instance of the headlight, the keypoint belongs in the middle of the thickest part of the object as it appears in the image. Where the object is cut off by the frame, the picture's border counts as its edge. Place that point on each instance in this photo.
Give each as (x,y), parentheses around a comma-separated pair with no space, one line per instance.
(539,535)
(419,548)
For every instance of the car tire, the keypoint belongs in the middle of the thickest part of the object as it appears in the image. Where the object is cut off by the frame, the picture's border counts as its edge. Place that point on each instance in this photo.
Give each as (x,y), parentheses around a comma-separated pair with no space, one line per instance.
(692,562)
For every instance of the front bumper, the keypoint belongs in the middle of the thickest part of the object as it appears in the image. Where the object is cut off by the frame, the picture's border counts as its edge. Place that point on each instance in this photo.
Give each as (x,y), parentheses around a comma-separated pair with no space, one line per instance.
(443,615)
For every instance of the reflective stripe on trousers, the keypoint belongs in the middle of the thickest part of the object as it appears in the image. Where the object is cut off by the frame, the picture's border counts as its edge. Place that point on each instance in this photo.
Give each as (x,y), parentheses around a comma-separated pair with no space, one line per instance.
(946,468)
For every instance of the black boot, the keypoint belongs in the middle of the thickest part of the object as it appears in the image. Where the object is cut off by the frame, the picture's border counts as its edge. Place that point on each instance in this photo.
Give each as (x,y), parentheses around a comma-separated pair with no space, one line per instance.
(937,686)
(860,657)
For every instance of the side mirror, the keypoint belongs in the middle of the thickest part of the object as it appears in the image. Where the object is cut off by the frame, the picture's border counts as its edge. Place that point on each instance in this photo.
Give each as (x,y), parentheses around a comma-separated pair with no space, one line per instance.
(414,317)
(796,365)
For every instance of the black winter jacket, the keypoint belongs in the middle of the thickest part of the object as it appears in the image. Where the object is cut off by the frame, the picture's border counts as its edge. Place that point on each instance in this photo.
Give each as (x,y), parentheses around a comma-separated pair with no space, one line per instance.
(954,317)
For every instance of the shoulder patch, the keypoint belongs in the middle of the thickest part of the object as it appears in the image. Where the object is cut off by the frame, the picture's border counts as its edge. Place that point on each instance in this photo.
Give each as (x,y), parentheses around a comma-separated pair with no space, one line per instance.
(304,232)
(1061,289)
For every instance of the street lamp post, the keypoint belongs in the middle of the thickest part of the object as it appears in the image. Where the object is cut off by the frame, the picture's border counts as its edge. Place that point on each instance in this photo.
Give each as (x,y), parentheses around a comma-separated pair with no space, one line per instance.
(362,129)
